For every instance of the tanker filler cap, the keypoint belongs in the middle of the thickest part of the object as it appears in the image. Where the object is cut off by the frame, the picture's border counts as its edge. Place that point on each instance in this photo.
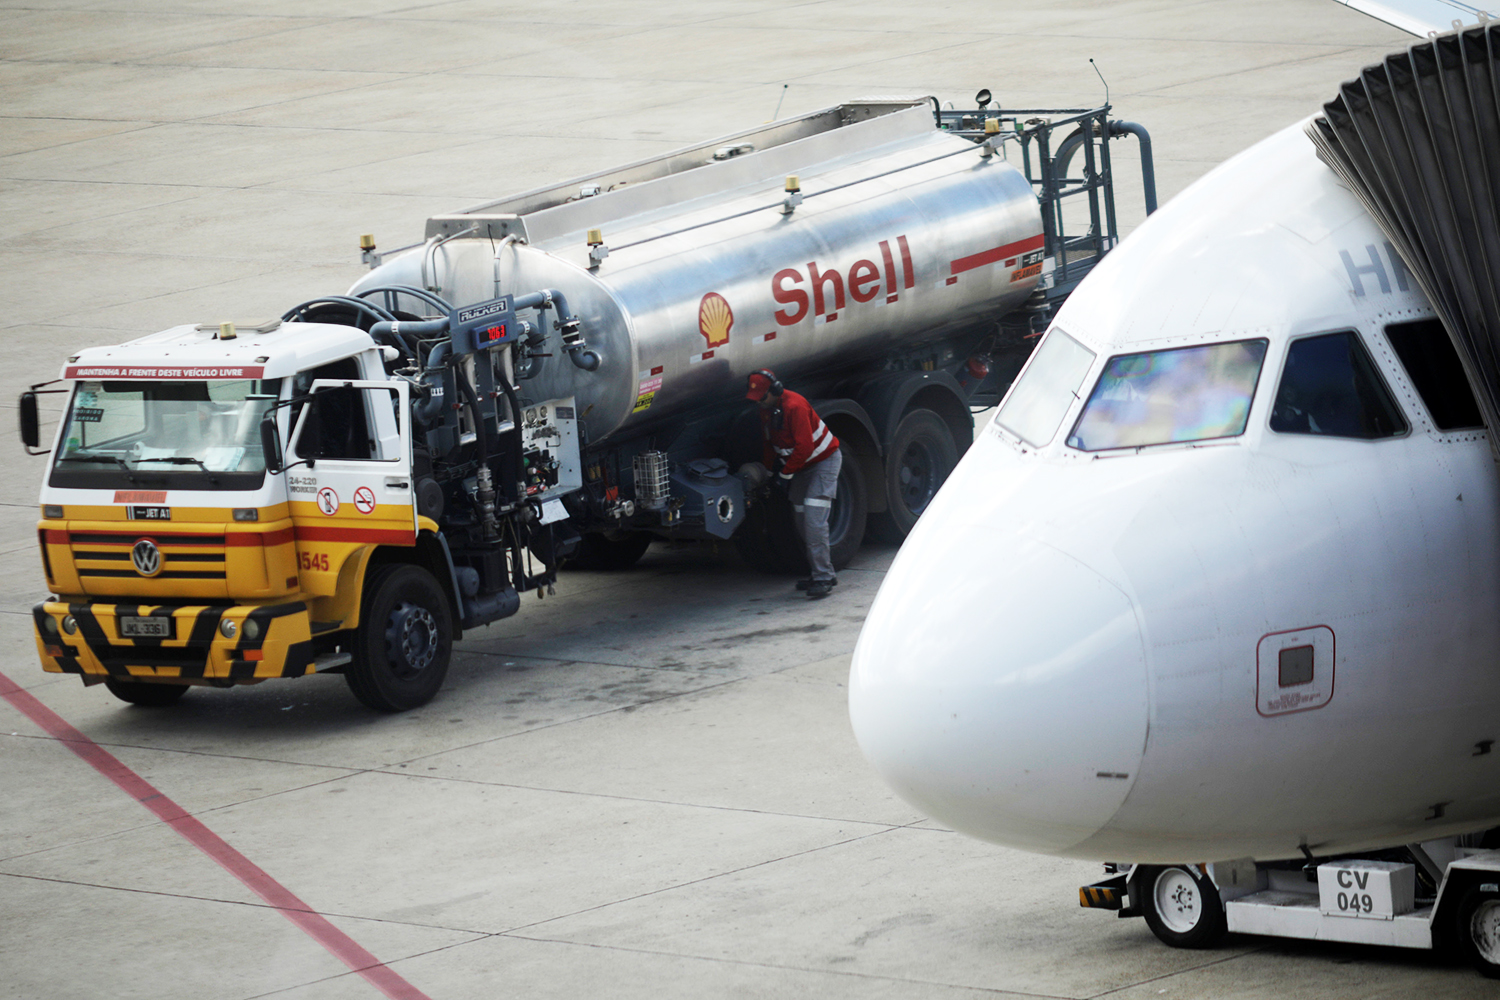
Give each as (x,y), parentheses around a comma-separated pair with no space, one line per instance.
(992,137)
(597,250)
(367,254)
(793,194)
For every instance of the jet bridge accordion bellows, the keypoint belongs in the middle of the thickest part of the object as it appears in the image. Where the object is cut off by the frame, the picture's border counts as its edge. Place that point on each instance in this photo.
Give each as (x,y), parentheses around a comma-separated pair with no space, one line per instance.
(1417,139)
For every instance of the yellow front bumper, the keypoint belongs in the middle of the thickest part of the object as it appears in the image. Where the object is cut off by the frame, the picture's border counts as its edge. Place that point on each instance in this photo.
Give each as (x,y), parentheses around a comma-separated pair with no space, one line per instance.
(267,641)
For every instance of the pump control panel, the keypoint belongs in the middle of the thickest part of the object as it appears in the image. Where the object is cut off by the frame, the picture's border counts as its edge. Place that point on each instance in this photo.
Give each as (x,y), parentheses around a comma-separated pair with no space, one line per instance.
(483,325)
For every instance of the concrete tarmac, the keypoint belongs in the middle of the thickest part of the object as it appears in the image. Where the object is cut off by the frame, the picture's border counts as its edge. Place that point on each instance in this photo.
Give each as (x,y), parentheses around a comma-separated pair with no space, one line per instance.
(645,786)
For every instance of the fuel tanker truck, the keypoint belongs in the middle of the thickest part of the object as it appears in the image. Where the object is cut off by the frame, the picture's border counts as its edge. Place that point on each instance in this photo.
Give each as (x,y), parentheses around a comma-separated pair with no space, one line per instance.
(557,377)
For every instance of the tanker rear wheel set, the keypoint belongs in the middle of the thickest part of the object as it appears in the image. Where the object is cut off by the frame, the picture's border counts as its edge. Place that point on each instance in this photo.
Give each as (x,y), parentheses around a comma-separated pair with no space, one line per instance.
(921,455)
(768,539)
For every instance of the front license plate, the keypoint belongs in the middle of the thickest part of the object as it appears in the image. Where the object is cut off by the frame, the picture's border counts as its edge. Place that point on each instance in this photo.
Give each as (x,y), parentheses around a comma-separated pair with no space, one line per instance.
(136,627)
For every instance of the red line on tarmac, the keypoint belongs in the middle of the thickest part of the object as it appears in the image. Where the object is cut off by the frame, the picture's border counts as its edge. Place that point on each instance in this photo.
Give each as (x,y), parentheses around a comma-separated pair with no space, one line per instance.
(315,925)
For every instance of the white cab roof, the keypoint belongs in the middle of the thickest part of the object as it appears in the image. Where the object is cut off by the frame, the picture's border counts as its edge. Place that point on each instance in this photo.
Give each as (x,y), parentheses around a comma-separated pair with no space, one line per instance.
(197,353)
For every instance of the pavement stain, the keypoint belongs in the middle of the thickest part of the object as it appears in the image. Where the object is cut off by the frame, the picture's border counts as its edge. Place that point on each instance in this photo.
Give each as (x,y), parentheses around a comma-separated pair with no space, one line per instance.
(769,632)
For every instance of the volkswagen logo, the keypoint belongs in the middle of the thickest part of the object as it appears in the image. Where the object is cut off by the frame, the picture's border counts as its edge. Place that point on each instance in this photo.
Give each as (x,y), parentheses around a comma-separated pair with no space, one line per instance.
(146,557)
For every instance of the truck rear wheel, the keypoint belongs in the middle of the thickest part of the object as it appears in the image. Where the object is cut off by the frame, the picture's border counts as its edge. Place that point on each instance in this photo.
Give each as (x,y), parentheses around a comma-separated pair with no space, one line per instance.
(610,551)
(145,693)
(1479,930)
(921,455)
(768,538)
(850,513)
(1181,906)
(403,642)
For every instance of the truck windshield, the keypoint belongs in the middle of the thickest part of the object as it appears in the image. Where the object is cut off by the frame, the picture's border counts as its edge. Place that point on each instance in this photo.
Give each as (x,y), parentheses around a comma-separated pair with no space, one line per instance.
(1161,397)
(181,435)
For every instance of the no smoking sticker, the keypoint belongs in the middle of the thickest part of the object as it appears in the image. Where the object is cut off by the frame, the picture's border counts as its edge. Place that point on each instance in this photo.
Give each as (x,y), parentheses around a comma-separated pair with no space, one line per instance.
(328,500)
(364,499)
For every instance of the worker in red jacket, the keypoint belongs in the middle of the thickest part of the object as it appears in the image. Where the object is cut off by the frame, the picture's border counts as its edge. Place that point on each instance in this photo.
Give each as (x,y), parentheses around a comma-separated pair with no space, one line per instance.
(803,453)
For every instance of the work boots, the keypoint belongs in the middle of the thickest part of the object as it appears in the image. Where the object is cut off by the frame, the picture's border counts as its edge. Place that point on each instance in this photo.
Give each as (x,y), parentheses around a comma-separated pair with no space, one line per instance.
(818,588)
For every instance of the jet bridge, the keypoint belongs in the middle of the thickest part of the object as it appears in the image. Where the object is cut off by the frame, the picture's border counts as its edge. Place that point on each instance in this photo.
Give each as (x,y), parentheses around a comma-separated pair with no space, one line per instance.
(1417,139)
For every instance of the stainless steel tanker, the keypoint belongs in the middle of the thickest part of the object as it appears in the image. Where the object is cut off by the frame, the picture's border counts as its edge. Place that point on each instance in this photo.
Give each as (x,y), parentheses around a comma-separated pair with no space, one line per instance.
(904,231)
(875,255)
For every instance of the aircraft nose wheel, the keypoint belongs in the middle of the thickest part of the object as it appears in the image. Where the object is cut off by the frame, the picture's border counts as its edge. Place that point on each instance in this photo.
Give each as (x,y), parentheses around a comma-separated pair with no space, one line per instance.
(1181,906)
(1479,931)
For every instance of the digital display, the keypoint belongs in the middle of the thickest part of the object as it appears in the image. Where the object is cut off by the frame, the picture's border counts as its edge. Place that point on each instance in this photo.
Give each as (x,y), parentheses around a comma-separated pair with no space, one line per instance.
(482,325)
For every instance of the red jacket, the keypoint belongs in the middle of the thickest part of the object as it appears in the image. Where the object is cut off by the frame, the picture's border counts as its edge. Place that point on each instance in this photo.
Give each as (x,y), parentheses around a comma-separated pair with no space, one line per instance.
(794,433)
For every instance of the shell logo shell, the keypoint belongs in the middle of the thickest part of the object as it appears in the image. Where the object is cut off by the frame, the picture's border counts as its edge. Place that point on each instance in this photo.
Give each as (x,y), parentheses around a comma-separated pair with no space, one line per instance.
(714,319)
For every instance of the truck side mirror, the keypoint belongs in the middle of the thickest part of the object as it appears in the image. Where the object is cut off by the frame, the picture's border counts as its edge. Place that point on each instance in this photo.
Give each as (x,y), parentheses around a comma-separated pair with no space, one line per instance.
(31,435)
(270,443)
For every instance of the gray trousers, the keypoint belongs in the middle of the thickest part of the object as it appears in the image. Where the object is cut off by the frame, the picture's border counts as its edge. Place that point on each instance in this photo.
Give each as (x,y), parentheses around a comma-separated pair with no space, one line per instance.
(812,494)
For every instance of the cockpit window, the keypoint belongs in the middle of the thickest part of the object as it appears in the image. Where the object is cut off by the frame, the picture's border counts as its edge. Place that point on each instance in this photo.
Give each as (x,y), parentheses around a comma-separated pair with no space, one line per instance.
(1162,397)
(1039,400)
(1427,354)
(1330,387)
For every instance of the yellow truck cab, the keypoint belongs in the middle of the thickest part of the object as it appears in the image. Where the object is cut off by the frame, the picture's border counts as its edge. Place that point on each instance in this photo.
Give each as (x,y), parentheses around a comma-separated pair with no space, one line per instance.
(177,559)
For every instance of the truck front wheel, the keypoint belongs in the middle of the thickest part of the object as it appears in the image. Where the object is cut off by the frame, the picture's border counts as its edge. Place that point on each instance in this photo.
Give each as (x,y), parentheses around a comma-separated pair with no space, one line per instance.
(1181,906)
(146,694)
(404,640)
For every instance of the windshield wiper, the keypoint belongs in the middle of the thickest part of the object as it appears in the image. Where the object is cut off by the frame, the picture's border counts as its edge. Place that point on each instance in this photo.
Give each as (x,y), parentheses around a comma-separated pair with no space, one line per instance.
(129,473)
(183,460)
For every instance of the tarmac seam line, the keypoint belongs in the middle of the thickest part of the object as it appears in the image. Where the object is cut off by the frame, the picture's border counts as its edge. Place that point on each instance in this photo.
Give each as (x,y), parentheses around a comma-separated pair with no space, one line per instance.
(512,932)
(791,968)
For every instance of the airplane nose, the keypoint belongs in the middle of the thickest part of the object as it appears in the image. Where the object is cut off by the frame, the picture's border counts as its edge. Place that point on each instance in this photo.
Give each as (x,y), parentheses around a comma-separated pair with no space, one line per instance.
(999,685)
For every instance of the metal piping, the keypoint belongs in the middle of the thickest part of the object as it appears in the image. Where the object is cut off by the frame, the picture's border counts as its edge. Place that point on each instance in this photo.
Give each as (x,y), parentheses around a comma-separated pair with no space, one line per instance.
(429,250)
(582,355)
(427,410)
(394,331)
(509,239)
(1148,171)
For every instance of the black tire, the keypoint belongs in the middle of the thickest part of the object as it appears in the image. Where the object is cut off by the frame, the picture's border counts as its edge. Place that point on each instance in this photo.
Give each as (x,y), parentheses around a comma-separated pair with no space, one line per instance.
(146,694)
(619,551)
(850,514)
(921,455)
(1181,906)
(404,640)
(768,538)
(1478,930)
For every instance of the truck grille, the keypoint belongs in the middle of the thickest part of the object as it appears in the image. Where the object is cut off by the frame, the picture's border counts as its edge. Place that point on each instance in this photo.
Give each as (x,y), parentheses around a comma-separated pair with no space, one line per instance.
(103,561)
(107,554)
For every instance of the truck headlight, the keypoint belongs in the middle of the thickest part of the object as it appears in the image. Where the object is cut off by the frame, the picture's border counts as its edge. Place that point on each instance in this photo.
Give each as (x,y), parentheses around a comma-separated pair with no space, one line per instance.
(228,628)
(70,624)
(252,629)
(49,625)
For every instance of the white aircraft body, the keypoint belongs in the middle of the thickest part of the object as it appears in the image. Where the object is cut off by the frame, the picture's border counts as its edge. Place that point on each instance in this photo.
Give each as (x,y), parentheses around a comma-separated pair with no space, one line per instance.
(1222,577)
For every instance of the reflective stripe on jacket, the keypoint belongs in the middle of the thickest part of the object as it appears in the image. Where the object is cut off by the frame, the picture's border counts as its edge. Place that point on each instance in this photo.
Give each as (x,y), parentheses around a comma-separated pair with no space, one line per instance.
(802,439)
